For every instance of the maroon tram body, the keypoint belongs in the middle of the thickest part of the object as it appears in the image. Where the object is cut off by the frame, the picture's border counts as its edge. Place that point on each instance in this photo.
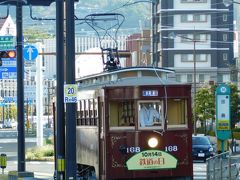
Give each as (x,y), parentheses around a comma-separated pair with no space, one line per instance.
(134,123)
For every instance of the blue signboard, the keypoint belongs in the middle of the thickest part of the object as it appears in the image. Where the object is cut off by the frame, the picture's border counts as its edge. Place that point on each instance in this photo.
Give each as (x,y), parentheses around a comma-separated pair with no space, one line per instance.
(9,99)
(8,72)
(30,53)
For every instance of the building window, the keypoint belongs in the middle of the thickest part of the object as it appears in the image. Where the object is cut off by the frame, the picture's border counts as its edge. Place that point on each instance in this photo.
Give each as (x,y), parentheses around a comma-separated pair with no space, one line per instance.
(189,78)
(225,37)
(199,57)
(224,17)
(220,78)
(193,18)
(202,57)
(178,78)
(225,56)
(201,78)
(184,57)
(192,37)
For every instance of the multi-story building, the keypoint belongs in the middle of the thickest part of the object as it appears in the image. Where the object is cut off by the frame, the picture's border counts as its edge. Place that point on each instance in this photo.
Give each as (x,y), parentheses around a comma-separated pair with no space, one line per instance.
(203,35)
(139,45)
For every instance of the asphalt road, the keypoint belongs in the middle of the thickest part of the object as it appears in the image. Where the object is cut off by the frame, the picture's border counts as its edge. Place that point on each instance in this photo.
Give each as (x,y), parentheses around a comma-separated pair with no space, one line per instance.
(8,146)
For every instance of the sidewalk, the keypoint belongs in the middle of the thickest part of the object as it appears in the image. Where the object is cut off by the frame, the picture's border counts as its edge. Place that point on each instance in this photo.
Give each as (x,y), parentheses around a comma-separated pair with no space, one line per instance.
(5,177)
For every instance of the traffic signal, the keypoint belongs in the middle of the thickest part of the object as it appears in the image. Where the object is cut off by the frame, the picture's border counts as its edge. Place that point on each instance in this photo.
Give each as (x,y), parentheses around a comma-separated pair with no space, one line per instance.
(7,54)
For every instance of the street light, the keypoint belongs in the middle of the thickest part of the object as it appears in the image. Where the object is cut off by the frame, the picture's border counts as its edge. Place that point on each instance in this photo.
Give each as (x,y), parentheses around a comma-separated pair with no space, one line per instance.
(172,35)
(229,2)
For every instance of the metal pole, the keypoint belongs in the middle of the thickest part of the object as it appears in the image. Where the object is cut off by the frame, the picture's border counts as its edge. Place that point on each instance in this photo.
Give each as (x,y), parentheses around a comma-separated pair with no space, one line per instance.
(48,105)
(60,125)
(20,89)
(194,86)
(70,107)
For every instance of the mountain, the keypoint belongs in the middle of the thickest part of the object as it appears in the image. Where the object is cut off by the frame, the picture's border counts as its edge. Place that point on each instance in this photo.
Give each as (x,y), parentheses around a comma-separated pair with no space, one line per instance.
(136,15)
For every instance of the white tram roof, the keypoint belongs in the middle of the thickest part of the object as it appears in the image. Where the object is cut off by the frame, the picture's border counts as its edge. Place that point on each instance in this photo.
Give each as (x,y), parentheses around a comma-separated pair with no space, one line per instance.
(132,76)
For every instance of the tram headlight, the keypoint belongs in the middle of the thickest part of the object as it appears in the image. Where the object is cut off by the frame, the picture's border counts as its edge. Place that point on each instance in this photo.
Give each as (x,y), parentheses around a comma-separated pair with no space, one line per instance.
(152,142)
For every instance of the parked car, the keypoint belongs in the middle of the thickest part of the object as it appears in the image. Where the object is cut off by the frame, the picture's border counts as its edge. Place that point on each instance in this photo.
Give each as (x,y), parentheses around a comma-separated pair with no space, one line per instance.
(202,148)
(7,124)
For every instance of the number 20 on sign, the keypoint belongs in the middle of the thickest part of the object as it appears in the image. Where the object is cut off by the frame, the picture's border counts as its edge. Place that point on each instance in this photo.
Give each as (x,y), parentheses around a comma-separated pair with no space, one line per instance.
(70,93)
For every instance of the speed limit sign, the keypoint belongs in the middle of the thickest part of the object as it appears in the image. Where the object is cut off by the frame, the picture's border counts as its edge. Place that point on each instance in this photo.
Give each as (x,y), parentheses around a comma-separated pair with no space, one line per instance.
(70,93)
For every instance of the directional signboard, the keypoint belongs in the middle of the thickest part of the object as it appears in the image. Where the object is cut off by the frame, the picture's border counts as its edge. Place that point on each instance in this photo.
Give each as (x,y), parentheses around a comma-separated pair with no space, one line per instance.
(7,42)
(8,72)
(30,53)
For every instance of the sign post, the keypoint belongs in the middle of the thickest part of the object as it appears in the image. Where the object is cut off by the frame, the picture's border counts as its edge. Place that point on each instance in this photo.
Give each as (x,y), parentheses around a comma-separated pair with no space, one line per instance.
(223,118)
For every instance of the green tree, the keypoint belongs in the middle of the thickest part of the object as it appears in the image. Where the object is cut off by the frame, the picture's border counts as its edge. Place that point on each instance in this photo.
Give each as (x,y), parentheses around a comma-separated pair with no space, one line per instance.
(235,114)
(205,105)
(13,111)
(33,35)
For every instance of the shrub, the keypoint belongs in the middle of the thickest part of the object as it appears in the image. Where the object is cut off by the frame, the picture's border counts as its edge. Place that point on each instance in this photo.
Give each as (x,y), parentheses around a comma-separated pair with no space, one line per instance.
(44,153)
(236,130)
(50,140)
(211,133)
(236,135)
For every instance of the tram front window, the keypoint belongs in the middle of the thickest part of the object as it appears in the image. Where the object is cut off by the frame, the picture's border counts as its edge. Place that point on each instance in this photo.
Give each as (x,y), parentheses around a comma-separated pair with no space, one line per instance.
(177,115)
(150,114)
(121,114)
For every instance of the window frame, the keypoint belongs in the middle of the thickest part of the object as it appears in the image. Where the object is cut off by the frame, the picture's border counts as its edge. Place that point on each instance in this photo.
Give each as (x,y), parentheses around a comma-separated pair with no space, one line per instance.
(129,127)
(179,126)
(161,115)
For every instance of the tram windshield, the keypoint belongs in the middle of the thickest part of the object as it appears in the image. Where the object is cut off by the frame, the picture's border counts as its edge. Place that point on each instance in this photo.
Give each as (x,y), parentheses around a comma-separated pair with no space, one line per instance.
(177,115)
(122,114)
(150,114)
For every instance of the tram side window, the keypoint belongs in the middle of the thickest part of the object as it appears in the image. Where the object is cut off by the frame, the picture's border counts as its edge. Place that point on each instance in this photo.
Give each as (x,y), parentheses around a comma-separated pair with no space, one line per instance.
(87,114)
(121,114)
(150,114)
(177,113)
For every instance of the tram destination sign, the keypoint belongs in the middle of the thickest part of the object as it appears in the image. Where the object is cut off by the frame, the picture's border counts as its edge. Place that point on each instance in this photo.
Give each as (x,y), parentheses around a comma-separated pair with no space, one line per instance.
(149,93)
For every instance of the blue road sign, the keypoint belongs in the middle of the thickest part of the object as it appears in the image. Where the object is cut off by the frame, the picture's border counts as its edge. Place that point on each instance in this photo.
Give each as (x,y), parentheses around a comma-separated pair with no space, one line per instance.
(30,53)
(9,99)
(8,72)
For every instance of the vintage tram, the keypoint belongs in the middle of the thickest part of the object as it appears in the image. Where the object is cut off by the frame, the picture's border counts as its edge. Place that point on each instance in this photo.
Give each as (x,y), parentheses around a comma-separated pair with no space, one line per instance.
(134,123)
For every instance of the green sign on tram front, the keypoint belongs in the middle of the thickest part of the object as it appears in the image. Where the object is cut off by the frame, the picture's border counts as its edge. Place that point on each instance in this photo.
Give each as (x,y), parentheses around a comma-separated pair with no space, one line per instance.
(151,159)
(223,120)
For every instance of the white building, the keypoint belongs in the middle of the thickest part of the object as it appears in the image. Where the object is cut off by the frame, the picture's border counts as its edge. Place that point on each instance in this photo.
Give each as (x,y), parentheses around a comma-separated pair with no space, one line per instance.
(203,34)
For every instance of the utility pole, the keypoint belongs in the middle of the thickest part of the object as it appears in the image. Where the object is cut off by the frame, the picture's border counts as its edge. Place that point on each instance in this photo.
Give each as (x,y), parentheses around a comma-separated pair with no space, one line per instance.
(60,116)
(71,170)
(20,89)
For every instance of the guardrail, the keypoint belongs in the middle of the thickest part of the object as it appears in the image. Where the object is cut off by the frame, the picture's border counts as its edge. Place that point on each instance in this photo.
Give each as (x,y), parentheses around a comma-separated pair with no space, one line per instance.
(221,167)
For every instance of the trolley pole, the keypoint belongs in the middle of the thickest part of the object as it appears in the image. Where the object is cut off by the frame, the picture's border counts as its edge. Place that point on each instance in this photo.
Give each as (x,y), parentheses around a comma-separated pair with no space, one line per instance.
(60,125)
(70,107)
